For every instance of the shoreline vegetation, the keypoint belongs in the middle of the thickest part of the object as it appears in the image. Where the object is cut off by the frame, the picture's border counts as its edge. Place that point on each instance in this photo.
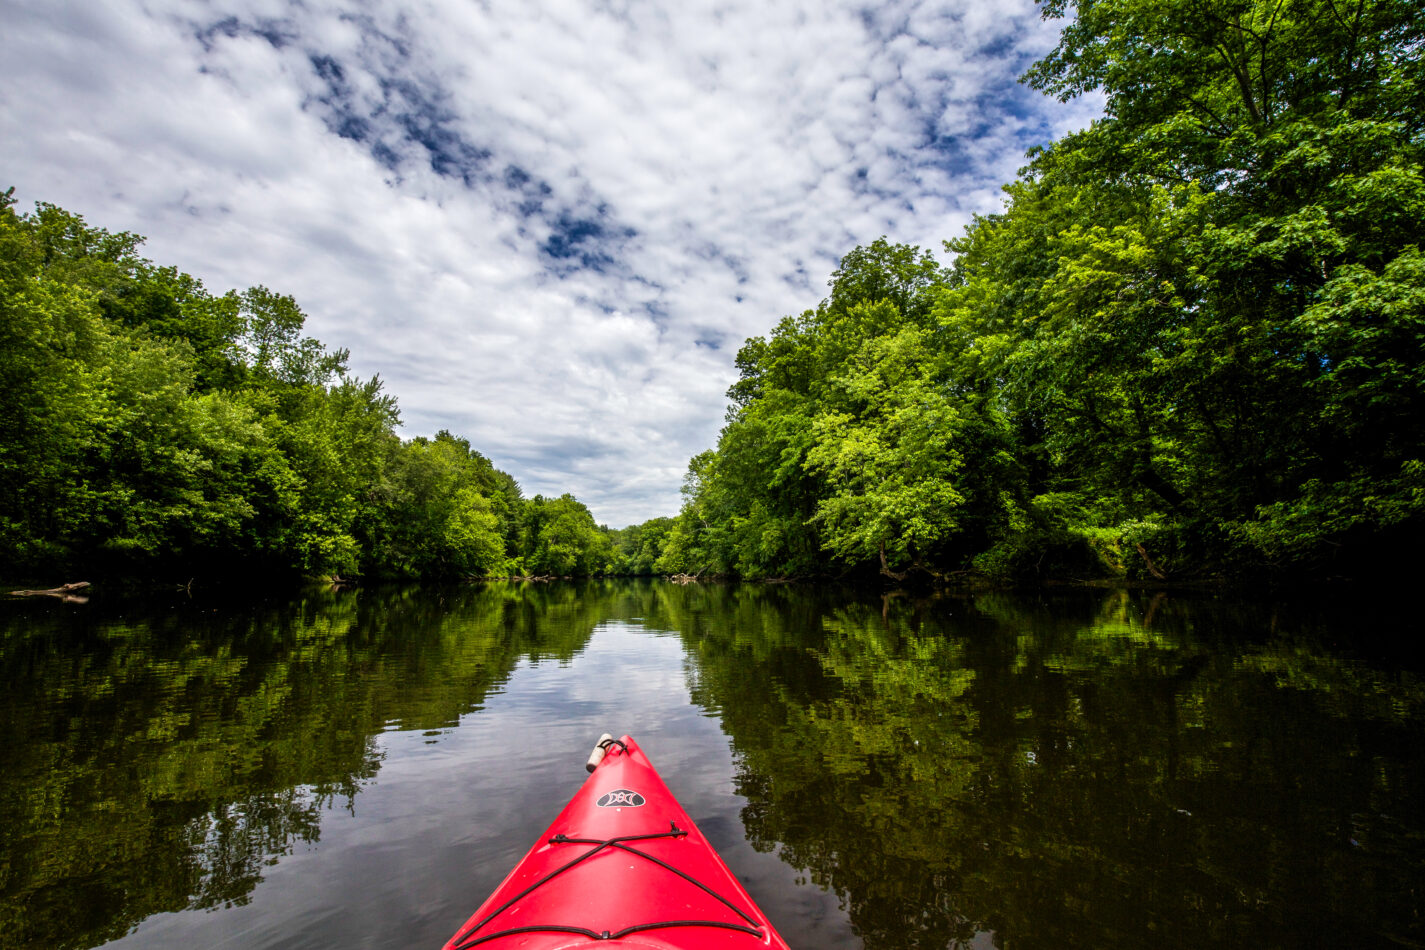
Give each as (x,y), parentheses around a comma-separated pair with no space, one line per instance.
(1189,349)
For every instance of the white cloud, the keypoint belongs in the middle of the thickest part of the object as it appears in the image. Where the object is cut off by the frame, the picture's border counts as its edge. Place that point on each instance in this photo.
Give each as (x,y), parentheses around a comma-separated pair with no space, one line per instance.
(530,219)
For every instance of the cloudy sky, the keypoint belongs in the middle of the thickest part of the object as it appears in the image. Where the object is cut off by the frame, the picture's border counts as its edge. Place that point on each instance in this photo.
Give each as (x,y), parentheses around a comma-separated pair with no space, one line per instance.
(547,224)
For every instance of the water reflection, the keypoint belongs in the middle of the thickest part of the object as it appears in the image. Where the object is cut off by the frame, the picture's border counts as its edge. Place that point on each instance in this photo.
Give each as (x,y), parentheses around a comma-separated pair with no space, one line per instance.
(1088,769)
(160,764)
(1087,772)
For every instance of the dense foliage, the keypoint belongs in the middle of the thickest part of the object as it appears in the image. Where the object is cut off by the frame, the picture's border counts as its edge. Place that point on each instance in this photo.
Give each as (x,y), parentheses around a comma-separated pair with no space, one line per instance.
(152,425)
(1193,341)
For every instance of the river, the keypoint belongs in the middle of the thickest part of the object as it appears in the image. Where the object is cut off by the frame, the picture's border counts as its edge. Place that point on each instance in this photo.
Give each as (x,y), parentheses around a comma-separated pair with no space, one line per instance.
(1071,769)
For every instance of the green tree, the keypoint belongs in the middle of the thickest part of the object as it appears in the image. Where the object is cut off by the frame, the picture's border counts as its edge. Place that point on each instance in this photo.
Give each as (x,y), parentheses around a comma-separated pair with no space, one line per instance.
(823,447)
(561,538)
(435,518)
(889,447)
(641,545)
(1277,149)
(159,428)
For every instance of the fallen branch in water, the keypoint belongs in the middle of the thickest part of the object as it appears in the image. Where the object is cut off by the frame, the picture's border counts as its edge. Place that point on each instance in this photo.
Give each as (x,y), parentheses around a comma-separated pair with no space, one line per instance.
(64,592)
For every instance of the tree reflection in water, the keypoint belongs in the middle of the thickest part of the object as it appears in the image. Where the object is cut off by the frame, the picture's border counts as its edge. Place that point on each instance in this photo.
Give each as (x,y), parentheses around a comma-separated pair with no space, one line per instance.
(160,764)
(1086,769)
(1110,770)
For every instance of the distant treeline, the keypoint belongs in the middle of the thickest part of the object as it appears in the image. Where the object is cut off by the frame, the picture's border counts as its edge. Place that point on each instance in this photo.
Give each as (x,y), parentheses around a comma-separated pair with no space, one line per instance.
(151,427)
(1193,343)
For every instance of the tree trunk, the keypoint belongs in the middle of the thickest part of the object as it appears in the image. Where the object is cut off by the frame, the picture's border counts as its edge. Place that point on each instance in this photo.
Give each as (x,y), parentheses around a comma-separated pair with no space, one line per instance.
(886,568)
(1152,568)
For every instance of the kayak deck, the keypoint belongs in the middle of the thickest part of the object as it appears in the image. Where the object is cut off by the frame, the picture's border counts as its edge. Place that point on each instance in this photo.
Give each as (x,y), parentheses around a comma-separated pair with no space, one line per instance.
(623,865)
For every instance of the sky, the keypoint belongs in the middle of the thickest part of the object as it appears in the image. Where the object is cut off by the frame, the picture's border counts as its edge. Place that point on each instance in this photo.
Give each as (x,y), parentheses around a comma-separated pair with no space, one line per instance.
(548,225)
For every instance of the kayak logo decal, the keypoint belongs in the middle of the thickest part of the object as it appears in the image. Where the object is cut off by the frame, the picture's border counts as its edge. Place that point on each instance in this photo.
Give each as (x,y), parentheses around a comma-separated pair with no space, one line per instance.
(619,798)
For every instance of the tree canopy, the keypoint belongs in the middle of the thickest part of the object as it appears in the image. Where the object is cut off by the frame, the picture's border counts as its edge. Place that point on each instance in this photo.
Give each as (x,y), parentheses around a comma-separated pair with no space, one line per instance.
(1191,342)
(154,426)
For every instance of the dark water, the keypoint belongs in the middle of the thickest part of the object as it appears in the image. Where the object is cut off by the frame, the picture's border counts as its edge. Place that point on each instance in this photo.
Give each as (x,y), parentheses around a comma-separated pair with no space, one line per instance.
(361,768)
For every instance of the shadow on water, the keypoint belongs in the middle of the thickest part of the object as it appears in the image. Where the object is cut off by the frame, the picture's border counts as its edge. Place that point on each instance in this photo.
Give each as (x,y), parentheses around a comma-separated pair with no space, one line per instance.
(1082,769)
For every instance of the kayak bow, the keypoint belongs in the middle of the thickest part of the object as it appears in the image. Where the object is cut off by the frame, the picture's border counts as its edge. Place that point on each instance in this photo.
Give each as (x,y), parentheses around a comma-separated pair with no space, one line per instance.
(622,864)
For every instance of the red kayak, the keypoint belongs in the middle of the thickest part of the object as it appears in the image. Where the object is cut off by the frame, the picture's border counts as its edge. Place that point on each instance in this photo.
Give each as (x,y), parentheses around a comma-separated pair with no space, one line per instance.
(624,865)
